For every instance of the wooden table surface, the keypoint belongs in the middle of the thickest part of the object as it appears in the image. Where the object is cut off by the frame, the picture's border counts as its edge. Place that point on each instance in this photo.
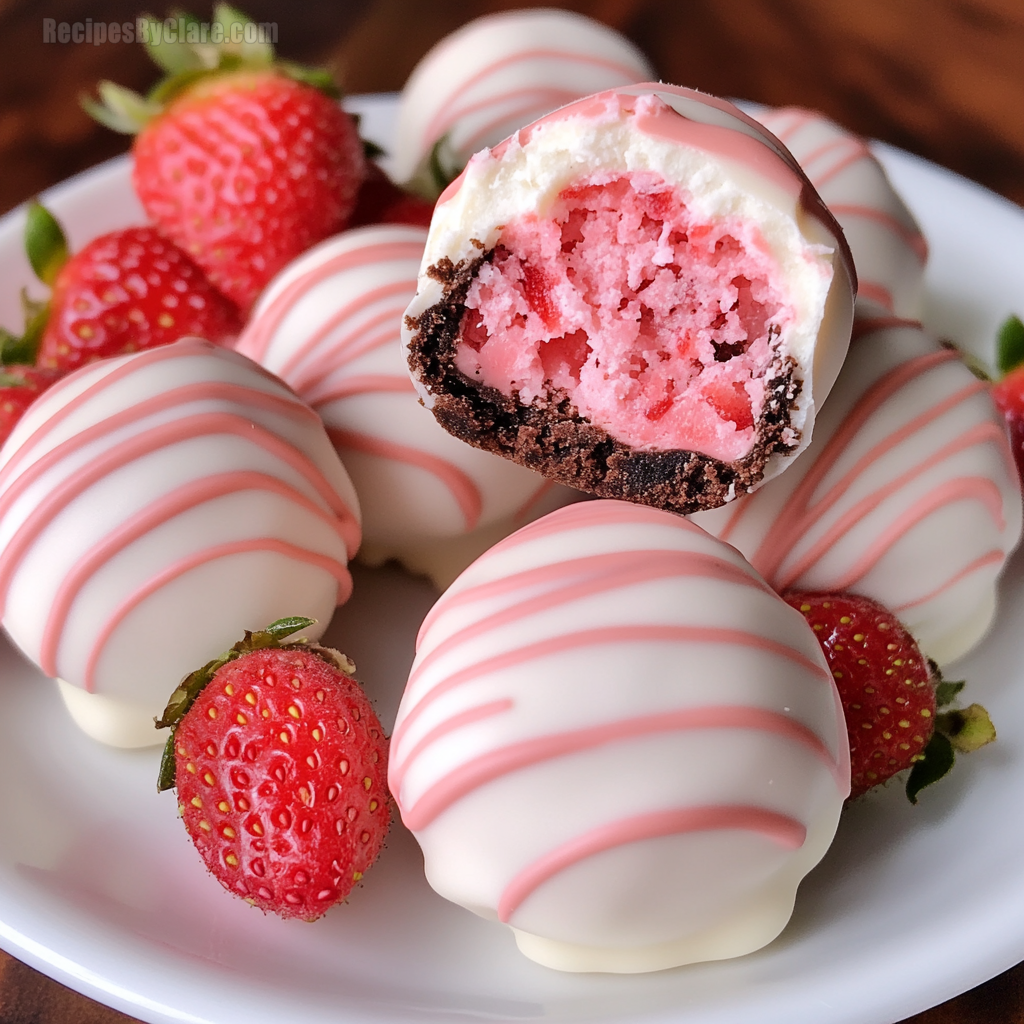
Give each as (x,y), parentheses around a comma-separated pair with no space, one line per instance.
(941,78)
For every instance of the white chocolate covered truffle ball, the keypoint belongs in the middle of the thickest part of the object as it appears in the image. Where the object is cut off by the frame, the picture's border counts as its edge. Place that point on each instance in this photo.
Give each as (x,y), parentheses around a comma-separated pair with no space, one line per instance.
(152,508)
(619,741)
(908,494)
(499,73)
(888,247)
(330,326)
(640,295)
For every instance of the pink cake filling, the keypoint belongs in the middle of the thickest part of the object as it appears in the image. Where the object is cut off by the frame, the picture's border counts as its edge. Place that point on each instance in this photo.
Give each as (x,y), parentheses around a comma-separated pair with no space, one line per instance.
(660,327)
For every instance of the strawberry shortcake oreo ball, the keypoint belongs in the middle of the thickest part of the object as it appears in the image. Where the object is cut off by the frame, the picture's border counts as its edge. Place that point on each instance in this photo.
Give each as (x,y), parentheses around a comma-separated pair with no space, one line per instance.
(617,740)
(152,508)
(908,493)
(329,326)
(499,73)
(640,295)
(887,245)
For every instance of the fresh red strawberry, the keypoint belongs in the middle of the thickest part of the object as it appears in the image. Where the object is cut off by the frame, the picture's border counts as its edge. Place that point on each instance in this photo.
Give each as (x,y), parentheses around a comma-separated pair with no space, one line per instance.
(1008,393)
(239,159)
(20,386)
(890,694)
(281,768)
(381,201)
(129,290)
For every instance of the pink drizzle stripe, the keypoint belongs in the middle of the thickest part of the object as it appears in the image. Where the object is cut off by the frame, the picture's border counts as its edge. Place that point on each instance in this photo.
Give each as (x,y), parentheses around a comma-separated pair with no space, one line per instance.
(975,489)
(495,764)
(778,828)
(527,102)
(168,434)
(775,121)
(790,522)
(591,574)
(593,513)
(876,293)
(524,511)
(457,721)
(256,339)
(286,404)
(913,239)
(466,494)
(995,557)
(199,558)
(401,290)
(365,384)
(443,120)
(600,638)
(863,326)
(980,434)
(187,497)
(234,394)
(859,151)
(335,358)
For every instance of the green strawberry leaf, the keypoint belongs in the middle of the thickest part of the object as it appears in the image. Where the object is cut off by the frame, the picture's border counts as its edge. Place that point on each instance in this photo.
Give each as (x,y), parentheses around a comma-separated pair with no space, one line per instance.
(253,53)
(285,627)
(120,109)
(946,692)
(935,762)
(1010,344)
(194,683)
(23,348)
(172,57)
(45,243)
(968,729)
(318,78)
(167,88)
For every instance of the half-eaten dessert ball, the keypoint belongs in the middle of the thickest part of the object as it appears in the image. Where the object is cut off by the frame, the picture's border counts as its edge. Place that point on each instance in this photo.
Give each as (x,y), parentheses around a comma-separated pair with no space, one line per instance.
(639,295)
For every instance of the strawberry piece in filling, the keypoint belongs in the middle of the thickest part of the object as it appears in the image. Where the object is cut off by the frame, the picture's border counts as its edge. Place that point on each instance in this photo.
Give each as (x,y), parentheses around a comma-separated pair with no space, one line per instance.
(661,328)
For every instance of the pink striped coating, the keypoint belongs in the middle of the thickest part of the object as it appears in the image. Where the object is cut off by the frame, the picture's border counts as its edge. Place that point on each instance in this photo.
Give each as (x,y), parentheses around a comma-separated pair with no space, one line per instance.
(459,484)
(349,347)
(607,675)
(503,761)
(200,558)
(606,636)
(898,449)
(777,828)
(888,247)
(447,116)
(121,455)
(256,339)
(165,508)
(122,417)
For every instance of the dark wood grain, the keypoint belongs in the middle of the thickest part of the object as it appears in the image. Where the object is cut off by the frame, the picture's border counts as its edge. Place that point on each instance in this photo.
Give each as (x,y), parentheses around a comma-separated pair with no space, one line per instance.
(941,78)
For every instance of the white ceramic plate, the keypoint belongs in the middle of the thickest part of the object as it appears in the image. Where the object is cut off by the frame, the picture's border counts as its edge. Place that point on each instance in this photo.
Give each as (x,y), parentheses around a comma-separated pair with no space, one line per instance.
(99,886)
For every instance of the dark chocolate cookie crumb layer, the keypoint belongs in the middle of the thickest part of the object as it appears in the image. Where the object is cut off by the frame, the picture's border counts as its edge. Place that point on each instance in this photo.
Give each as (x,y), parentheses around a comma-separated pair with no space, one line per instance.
(549,435)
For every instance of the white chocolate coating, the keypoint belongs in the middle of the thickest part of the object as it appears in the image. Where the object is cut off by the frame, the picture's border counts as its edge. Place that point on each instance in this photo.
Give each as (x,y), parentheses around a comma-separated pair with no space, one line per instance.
(152,508)
(888,248)
(908,493)
(617,740)
(726,167)
(502,71)
(330,326)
